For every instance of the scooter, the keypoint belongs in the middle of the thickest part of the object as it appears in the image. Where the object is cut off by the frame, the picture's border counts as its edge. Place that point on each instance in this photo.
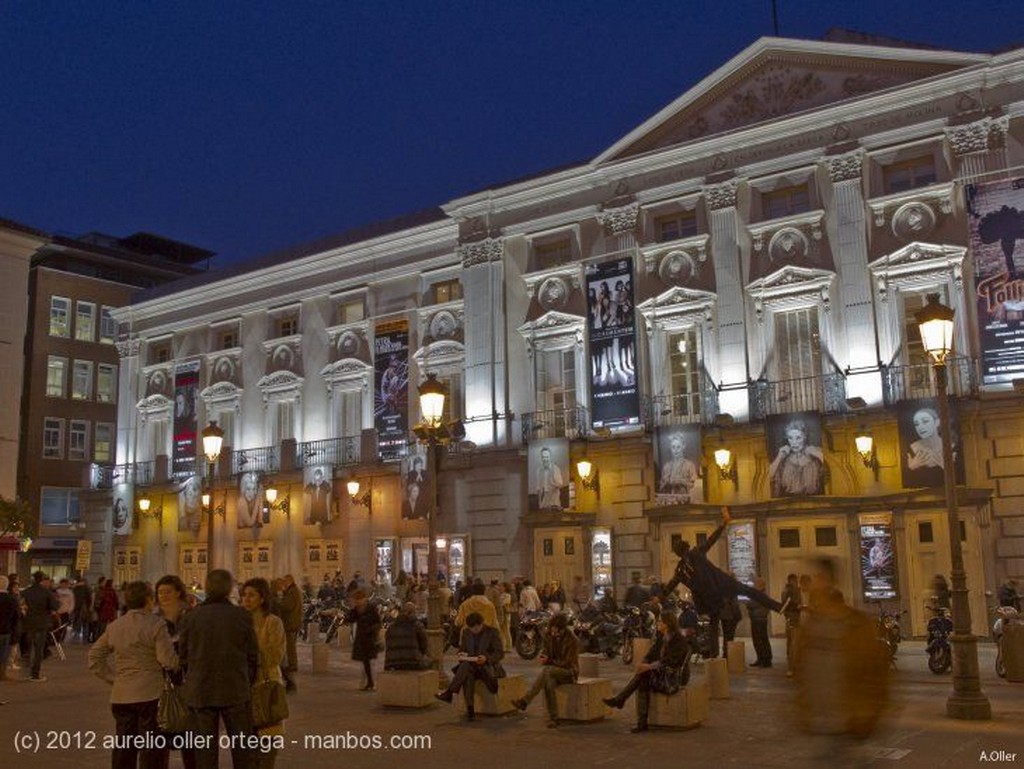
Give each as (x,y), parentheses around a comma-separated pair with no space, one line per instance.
(888,630)
(598,632)
(637,623)
(940,627)
(531,631)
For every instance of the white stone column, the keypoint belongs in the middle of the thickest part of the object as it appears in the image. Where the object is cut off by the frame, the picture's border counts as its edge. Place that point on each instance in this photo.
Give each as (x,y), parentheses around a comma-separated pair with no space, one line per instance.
(127,438)
(978,148)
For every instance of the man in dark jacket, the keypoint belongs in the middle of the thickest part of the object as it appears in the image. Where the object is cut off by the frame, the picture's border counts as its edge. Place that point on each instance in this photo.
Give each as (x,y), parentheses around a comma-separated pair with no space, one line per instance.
(480,652)
(406,642)
(10,613)
(41,606)
(709,584)
(759,629)
(291,617)
(560,661)
(220,655)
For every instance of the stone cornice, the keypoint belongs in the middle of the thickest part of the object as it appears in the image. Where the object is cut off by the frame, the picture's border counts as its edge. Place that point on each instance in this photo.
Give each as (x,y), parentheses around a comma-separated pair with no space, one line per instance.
(845,167)
(979,136)
(810,221)
(481,251)
(939,194)
(620,220)
(693,247)
(128,347)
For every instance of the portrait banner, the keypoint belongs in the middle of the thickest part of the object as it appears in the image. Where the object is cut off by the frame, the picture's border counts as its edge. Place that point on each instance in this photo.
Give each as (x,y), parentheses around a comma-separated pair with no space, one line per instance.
(416,489)
(678,477)
(249,502)
(186,430)
(391,389)
(319,490)
(190,505)
(611,331)
(921,435)
(877,557)
(123,514)
(548,468)
(995,217)
(797,468)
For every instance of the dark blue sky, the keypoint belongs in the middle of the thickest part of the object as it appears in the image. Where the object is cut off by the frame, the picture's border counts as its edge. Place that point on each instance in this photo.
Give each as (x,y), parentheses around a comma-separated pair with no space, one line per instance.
(248,127)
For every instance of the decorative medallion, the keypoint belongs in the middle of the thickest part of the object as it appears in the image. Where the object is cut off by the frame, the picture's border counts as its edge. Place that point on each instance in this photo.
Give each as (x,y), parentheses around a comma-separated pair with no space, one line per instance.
(348,343)
(157,381)
(283,356)
(553,293)
(443,325)
(224,369)
(787,245)
(913,221)
(678,268)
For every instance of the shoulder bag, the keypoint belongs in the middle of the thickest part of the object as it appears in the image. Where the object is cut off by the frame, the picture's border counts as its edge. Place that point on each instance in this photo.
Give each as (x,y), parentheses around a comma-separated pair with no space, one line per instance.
(172,714)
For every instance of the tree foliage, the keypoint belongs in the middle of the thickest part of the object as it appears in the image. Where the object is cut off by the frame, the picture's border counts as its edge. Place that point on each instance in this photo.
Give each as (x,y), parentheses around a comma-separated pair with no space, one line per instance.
(16,518)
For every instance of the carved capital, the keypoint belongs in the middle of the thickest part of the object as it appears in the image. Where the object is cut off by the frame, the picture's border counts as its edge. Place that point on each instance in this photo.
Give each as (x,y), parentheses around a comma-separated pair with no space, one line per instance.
(618,221)
(128,348)
(721,196)
(481,251)
(979,136)
(842,168)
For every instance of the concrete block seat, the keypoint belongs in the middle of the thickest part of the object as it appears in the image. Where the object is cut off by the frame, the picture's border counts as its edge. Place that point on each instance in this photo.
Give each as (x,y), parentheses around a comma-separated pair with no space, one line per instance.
(685,709)
(582,701)
(589,665)
(406,688)
(487,704)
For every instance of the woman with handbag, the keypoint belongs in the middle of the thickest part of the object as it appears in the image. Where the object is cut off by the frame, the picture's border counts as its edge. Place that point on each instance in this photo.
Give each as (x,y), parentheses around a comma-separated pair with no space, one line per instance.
(269,703)
(665,669)
(171,606)
(366,644)
(141,649)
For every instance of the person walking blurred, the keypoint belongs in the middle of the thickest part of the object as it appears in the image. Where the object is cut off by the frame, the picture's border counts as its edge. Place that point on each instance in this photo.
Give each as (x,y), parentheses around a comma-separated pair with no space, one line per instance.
(141,649)
(172,603)
(218,649)
(365,644)
(10,614)
(270,636)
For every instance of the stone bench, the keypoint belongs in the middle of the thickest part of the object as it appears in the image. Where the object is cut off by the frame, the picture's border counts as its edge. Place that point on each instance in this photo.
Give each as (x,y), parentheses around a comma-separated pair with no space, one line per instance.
(589,665)
(737,656)
(487,704)
(685,709)
(716,672)
(320,657)
(582,701)
(406,688)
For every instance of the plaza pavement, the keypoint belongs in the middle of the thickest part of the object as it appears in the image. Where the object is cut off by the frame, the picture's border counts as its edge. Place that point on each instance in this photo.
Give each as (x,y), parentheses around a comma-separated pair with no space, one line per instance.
(754,728)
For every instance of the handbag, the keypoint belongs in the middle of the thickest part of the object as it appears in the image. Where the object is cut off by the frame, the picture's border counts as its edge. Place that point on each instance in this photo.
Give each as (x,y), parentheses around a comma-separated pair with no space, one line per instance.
(269,703)
(172,715)
(665,680)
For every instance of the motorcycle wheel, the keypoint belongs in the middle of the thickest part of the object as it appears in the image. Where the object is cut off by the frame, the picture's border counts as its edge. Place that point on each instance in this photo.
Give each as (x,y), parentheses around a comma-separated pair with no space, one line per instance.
(528,644)
(940,661)
(627,650)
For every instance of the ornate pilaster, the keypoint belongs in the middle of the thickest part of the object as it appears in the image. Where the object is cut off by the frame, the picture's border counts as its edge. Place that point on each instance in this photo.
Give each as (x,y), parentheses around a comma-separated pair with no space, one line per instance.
(481,251)
(721,195)
(980,136)
(620,221)
(843,168)
(128,347)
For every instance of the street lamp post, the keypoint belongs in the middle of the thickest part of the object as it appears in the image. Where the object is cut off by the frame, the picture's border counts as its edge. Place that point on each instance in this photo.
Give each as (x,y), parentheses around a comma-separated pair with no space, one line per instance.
(213,438)
(432,432)
(967,701)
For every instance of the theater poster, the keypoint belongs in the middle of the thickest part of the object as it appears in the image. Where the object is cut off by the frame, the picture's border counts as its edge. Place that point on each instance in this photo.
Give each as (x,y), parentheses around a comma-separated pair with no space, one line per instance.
(391,389)
(877,557)
(186,391)
(742,551)
(996,237)
(614,398)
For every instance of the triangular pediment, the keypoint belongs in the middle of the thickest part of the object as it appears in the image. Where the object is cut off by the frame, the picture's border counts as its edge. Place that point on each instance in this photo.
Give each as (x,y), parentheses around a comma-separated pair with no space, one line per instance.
(677,297)
(917,256)
(775,78)
(792,279)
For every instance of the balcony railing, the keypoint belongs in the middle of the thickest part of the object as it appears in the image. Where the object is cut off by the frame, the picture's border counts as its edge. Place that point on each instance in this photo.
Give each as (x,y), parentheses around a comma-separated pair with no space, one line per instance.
(109,476)
(265,459)
(825,393)
(915,381)
(336,452)
(684,408)
(555,423)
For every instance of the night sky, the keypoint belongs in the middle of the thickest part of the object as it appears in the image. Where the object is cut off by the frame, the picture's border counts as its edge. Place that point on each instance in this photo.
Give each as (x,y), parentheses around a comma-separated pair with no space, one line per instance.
(245,128)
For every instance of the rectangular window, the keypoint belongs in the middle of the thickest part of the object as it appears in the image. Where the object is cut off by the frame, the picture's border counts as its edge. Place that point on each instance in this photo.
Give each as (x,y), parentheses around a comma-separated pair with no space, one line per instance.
(453,400)
(825,536)
(556,382)
(160,352)
(797,364)
(675,226)
(351,312)
(284,422)
(103,446)
(56,376)
(81,380)
(684,370)
(108,328)
(350,413)
(909,174)
(60,316)
(85,321)
(53,438)
(447,291)
(78,440)
(158,432)
(925,532)
(106,383)
(58,507)
(787,201)
(229,339)
(288,325)
(550,255)
(789,538)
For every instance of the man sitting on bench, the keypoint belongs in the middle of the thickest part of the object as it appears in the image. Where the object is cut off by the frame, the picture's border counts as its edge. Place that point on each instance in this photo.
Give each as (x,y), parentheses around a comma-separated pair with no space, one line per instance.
(560,660)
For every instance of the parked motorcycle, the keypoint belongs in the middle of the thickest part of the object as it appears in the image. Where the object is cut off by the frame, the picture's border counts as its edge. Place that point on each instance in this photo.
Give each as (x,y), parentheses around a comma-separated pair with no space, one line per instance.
(637,623)
(598,632)
(1005,615)
(701,643)
(531,633)
(940,627)
(888,629)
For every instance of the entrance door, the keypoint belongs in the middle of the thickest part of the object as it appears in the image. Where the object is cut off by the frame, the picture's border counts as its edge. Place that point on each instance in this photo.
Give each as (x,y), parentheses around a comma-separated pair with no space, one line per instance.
(928,555)
(793,542)
(558,555)
(696,534)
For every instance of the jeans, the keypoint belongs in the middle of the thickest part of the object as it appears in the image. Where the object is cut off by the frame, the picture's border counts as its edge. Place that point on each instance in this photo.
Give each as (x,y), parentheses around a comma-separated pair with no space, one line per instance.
(465,678)
(135,719)
(37,639)
(550,678)
(762,645)
(237,720)
(641,684)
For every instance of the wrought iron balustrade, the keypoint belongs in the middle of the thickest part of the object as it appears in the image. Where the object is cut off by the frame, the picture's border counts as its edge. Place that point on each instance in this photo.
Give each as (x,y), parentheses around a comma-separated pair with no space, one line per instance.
(265,459)
(825,393)
(569,422)
(336,452)
(682,408)
(915,380)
